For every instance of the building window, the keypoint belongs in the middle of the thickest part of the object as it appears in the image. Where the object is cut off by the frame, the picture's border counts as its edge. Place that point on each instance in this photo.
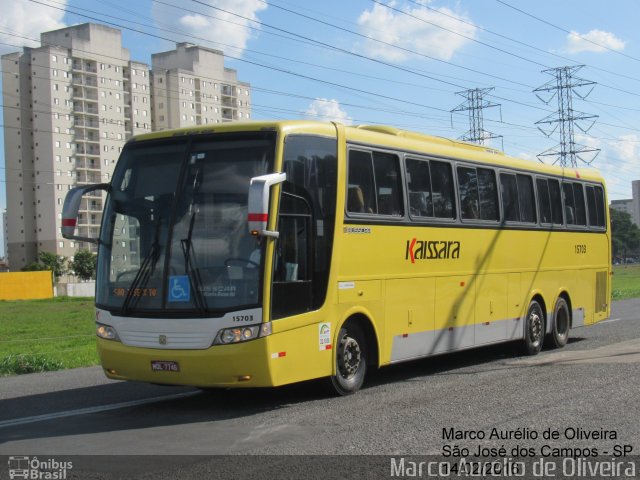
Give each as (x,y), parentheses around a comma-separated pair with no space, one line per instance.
(54,58)
(61,244)
(57,144)
(58,158)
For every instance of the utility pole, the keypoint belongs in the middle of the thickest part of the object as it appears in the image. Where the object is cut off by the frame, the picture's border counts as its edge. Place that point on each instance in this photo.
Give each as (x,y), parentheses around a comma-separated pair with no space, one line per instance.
(564,84)
(474,104)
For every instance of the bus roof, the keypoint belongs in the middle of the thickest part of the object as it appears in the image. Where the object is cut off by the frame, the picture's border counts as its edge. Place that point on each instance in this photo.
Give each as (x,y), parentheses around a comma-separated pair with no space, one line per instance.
(387,137)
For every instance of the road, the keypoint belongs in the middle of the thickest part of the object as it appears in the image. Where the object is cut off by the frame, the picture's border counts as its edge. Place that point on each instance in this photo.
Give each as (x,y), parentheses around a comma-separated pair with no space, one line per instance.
(590,385)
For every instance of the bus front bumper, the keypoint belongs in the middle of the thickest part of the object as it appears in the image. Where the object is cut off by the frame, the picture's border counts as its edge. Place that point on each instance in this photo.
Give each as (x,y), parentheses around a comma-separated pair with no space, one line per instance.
(237,365)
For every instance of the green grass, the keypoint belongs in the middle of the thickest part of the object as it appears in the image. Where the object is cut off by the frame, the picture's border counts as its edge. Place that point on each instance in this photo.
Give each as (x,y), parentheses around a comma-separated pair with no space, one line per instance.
(626,282)
(43,335)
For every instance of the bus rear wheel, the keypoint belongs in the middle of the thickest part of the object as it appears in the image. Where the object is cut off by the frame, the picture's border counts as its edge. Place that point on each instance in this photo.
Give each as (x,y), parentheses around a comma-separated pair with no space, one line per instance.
(351,361)
(533,329)
(561,324)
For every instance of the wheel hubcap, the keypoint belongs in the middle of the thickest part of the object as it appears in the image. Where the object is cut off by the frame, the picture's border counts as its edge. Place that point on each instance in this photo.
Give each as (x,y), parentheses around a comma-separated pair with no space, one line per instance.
(349,357)
(535,327)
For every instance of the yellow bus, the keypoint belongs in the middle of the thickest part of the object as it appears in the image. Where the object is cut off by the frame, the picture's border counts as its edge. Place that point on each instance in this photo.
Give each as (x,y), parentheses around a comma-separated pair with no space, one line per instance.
(266,253)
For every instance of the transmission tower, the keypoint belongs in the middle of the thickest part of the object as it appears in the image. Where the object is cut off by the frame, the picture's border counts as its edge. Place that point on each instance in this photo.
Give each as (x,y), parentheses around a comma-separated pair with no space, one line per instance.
(474,104)
(563,86)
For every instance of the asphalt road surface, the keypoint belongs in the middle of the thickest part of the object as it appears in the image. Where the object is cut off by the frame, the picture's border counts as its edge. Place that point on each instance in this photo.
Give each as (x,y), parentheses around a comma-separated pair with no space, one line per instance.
(418,408)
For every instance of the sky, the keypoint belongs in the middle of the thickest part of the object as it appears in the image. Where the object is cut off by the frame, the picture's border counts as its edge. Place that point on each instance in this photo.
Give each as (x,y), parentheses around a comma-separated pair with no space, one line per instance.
(402,63)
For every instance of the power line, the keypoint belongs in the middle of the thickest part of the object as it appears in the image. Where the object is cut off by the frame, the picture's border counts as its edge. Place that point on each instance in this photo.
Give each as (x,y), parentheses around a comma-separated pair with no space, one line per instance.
(506,37)
(567,31)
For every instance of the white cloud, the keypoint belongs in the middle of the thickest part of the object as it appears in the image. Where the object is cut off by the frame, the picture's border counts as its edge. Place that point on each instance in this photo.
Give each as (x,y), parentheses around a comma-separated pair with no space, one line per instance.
(586,42)
(26,19)
(527,156)
(327,110)
(617,161)
(412,32)
(215,25)
(627,147)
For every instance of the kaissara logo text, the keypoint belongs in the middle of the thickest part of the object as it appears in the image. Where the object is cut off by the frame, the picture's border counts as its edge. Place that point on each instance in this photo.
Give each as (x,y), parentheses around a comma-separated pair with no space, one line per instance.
(431,250)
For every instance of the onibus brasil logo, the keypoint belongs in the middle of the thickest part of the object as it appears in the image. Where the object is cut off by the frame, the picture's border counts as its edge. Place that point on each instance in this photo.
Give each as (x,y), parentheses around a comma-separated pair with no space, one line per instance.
(37,469)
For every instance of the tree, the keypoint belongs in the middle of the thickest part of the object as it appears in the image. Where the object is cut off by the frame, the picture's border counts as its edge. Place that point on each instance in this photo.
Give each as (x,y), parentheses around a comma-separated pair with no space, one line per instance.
(56,263)
(34,267)
(84,264)
(625,235)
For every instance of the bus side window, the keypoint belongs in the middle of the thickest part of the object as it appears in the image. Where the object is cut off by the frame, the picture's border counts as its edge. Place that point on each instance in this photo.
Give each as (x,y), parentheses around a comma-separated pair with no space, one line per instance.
(361,189)
(510,205)
(556,202)
(468,190)
(388,185)
(544,204)
(600,206)
(419,187)
(488,193)
(526,199)
(374,184)
(569,204)
(591,207)
(578,195)
(444,204)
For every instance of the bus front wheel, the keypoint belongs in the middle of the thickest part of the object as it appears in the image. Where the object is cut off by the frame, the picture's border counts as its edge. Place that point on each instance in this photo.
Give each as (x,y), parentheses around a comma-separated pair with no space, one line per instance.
(561,323)
(533,329)
(351,360)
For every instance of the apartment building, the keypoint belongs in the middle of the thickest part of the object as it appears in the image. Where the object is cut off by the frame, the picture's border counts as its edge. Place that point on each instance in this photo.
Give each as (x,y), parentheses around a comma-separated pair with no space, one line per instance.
(191,86)
(69,107)
(68,112)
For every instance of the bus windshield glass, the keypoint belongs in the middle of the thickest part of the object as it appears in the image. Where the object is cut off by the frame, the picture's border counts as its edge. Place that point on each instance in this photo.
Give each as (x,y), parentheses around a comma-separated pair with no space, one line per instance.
(174,235)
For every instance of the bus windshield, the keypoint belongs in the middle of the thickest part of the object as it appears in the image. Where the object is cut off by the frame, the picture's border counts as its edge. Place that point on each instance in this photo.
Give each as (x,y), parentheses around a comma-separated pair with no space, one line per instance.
(174,235)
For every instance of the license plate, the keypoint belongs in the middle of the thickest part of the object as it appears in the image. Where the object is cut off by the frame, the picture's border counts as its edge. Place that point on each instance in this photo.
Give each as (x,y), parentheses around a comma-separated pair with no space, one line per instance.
(164,366)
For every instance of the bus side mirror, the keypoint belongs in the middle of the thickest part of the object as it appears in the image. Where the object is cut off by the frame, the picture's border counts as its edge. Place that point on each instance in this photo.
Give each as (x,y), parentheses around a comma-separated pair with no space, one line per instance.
(71,207)
(258,203)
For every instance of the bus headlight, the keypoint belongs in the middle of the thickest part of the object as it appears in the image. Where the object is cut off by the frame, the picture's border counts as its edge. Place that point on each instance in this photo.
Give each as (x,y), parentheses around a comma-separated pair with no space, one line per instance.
(106,332)
(242,334)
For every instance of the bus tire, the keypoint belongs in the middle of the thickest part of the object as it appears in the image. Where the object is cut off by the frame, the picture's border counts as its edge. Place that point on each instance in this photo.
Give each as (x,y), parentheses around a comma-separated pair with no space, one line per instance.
(351,360)
(533,329)
(561,324)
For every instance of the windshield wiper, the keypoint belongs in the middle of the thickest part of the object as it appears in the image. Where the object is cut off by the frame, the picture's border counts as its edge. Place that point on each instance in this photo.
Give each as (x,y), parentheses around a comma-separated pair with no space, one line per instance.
(191,268)
(146,270)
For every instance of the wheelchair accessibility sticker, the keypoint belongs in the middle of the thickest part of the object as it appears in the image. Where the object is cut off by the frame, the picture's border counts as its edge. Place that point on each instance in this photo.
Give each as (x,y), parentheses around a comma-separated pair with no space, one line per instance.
(179,288)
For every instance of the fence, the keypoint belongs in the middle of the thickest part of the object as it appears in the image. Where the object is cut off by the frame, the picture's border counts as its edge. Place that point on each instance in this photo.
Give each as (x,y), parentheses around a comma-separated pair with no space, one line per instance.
(85,289)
